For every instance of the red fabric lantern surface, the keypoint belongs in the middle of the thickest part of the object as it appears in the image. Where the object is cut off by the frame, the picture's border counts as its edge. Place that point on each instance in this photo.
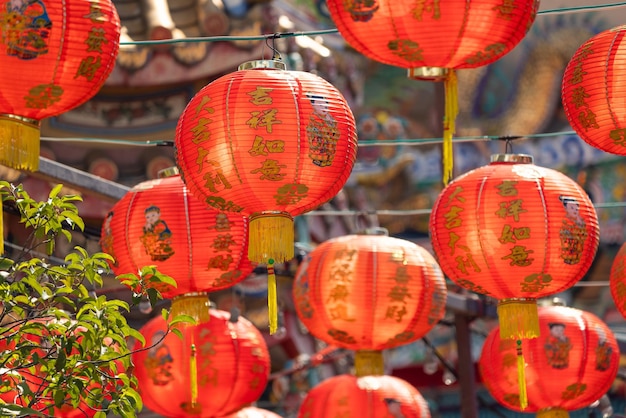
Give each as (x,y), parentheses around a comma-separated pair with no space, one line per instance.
(617,280)
(252,412)
(571,365)
(367,396)
(54,56)
(159,223)
(369,293)
(433,40)
(269,144)
(217,368)
(517,232)
(593,91)
(451,34)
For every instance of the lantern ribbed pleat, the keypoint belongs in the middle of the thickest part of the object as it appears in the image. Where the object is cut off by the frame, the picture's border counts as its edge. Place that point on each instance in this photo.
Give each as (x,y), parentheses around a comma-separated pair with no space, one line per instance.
(159,223)
(232,363)
(517,232)
(54,56)
(571,365)
(369,293)
(593,91)
(269,144)
(369,396)
(451,34)
(617,280)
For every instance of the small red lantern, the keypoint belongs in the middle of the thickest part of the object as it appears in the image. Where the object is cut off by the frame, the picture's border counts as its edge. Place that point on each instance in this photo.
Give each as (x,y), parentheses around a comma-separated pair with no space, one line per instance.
(432,40)
(573,363)
(159,223)
(215,369)
(252,412)
(369,293)
(367,396)
(593,91)
(269,144)
(516,232)
(617,280)
(54,56)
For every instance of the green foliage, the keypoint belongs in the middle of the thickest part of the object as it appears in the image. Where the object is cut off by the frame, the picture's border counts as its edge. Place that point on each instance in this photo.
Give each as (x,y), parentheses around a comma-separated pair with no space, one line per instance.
(62,347)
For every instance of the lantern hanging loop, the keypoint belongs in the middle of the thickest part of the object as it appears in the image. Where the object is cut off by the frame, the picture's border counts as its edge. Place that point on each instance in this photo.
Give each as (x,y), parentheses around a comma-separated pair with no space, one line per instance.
(275,53)
(376,230)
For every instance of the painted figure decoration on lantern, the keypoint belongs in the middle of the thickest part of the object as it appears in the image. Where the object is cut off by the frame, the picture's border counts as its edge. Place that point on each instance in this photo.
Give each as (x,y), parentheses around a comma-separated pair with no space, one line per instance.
(54,56)
(322,132)
(32,26)
(159,361)
(156,236)
(557,346)
(584,342)
(573,231)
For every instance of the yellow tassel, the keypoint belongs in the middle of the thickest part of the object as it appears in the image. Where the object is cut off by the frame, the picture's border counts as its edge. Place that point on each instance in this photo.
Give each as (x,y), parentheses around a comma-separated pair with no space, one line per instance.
(271,237)
(518,318)
(1,228)
(521,377)
(368,363)
(195,305)
(19,142)
(272,302)
(552,413)
(193,374)
(449,122)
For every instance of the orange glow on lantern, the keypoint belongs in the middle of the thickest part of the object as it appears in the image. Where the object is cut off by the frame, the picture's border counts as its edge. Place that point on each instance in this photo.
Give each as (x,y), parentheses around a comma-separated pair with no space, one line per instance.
(576,351)
(368,293)
(269,144)
(215,369)
(54,56)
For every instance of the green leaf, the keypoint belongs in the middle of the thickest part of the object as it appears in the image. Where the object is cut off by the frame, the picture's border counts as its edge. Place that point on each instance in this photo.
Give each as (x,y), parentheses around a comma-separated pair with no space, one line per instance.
(55,191)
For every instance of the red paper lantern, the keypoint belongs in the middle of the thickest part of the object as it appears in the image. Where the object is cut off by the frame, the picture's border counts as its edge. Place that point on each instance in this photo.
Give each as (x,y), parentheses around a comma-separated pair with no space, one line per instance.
(54,56)
(215,369)
(433,39)
(369,293)
(269,144)
(593,91)
(517,232)
(159,223)
(617,280)
(571,365)
(252,412)
(367,396)
(451,34)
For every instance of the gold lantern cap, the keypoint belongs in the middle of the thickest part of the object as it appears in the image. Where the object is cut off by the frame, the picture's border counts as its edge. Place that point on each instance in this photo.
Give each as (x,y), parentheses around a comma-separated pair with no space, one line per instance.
(428,73)
(263,64)
(168,172)
(512,158)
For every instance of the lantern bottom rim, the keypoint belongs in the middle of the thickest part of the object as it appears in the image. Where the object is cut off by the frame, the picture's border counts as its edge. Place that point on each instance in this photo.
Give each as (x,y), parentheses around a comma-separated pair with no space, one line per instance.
(428,73)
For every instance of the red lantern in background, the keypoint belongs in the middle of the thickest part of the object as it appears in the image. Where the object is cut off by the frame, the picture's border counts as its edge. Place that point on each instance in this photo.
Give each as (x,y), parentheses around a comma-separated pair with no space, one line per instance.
(367,396)
(593,91)
(159,223)
(252,412)
(516,232)
(432,40)
(368,293)
(573,363)
(215,369)
(269,144)
(617,280)
(54,56)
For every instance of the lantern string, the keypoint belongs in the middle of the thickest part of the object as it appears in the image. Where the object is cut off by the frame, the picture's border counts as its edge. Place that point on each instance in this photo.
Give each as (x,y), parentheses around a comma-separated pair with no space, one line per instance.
(193,373)
(449,124)
(230,38)
(272,302)
(521,376)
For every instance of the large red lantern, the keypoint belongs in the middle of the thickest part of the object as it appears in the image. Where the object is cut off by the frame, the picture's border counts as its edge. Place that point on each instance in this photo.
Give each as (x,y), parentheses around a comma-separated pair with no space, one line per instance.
(54,56)
(159,223)
(215,369)
(593,91)
(367,396)
(269,144)
(517,232)
(617,280)
(368,293)
(432,40)
(573,363)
